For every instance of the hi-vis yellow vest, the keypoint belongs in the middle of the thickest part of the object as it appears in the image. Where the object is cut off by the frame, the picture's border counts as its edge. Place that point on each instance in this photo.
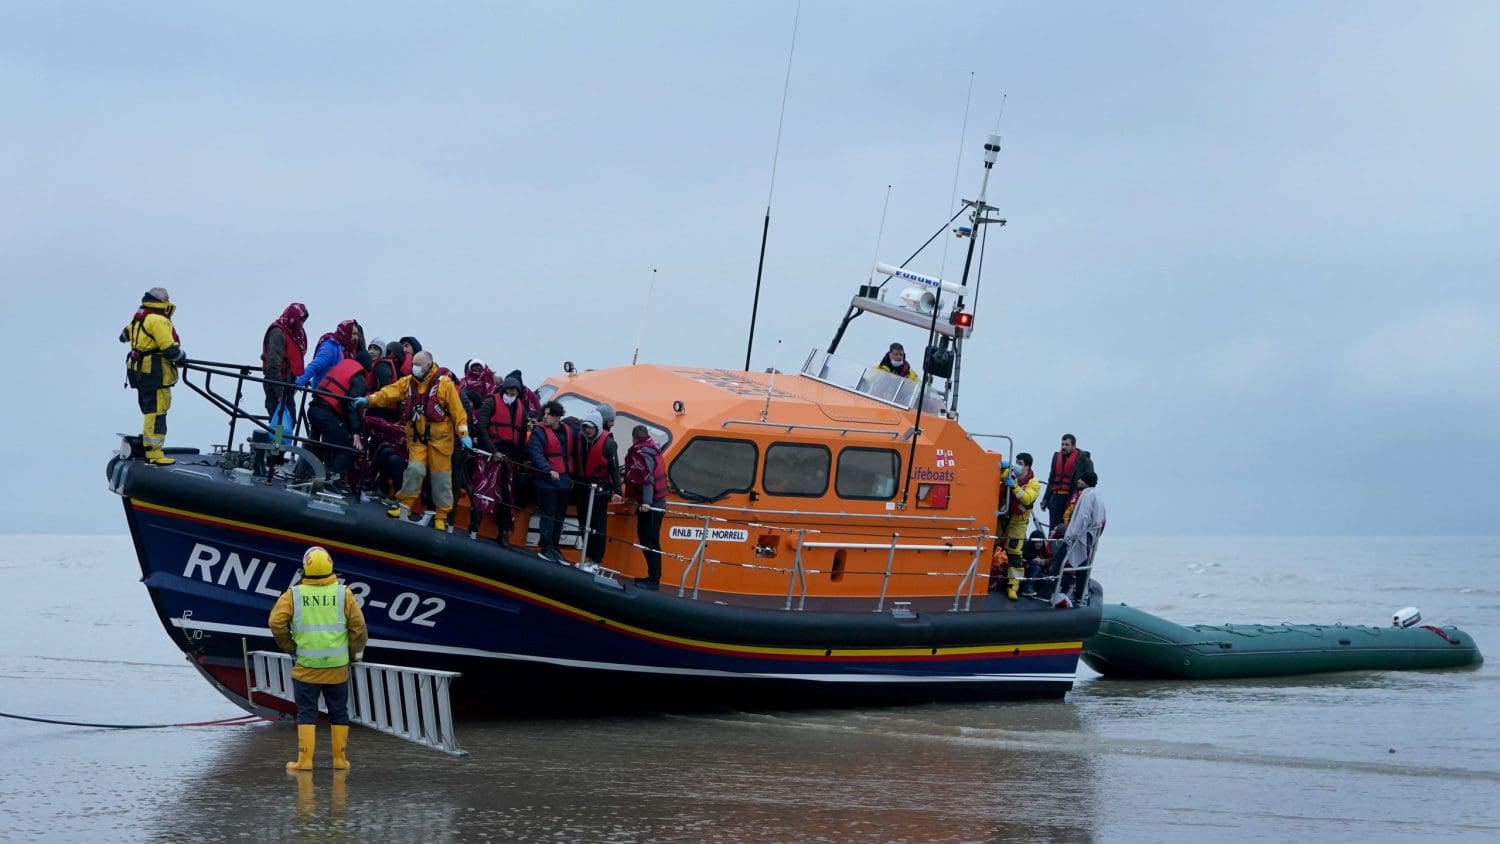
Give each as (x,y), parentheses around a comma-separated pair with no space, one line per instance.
(318,625)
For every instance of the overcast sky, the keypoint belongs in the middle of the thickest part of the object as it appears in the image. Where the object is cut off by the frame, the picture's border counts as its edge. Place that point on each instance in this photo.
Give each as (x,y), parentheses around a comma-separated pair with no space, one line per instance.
(1250,261)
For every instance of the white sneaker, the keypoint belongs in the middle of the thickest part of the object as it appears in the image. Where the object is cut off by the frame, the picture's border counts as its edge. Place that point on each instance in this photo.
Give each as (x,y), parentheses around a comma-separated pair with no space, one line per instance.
(589,567)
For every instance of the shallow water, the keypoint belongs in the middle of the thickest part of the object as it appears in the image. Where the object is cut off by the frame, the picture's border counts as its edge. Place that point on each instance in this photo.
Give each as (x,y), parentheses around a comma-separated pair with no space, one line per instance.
(1367,756)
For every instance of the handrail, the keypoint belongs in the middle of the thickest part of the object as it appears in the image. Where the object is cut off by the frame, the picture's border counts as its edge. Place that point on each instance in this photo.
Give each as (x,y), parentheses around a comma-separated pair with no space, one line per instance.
(792,426)
(241,373)
(841,515)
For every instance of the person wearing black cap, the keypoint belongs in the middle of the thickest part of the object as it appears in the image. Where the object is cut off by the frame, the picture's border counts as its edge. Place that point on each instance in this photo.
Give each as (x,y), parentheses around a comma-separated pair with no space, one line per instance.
(1081,539)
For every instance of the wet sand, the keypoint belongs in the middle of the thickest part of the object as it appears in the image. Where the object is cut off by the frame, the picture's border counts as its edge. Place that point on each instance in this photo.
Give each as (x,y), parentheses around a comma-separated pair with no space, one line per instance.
(1266,760)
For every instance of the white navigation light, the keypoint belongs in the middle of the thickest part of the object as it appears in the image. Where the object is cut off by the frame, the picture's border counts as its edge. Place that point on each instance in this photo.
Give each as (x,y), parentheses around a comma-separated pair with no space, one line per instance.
(991,150)
(918,299)
(930,281)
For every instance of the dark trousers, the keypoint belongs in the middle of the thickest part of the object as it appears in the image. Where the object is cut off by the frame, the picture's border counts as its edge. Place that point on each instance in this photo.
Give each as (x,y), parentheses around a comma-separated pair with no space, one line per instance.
(1057,504)
(593,547)
(389,468)
(648,531)
(335,695)
(278,396)
(327,426)
(552,505)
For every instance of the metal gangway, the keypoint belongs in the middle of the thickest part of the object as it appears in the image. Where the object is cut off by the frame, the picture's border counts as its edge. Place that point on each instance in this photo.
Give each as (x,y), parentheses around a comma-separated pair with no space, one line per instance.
(408,703)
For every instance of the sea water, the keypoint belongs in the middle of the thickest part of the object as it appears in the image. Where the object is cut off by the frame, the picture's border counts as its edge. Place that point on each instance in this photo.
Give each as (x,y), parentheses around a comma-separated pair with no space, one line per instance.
(1364,756)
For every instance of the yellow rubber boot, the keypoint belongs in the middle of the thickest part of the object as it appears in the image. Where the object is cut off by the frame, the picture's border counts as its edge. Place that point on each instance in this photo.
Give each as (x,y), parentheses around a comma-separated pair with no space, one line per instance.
(340,744)
(306,733)
(1013,584)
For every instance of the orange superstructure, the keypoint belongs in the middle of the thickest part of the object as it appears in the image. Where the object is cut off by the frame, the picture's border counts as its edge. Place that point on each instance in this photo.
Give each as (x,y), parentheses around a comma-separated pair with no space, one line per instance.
(772,466)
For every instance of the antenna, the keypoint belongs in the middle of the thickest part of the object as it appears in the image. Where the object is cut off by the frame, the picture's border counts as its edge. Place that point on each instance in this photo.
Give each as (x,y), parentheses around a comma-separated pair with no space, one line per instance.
(645,309)
(957,165)
(771,383)
(880,233)
(765,229)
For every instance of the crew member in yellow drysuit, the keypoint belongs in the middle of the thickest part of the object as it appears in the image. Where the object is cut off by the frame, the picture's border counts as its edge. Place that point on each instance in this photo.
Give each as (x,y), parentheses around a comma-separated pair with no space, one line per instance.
(151,368)
(431,407)
(1024,489)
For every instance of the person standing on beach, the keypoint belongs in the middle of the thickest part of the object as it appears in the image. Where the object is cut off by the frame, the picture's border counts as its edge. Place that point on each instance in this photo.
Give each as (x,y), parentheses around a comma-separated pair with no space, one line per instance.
(319,622)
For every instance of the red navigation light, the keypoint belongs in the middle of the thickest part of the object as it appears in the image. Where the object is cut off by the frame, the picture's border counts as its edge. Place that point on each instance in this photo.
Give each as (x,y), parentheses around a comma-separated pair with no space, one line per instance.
(961,319)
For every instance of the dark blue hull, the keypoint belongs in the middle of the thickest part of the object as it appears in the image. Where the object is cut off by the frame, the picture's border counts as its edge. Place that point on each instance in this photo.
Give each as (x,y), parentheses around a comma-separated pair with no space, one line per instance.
(532,635)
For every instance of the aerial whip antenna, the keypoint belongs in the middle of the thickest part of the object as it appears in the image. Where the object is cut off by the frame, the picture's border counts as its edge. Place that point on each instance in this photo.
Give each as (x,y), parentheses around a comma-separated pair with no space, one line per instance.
(880,233)
(644,310)
(765,229)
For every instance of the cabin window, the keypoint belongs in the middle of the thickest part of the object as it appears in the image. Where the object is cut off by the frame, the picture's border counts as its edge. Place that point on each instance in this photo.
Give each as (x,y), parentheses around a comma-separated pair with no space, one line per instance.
(873,473)
(578,406)
(796,469)
(710,468)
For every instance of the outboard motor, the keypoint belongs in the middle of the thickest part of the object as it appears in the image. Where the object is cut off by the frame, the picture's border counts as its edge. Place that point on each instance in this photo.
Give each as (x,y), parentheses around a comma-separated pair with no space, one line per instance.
(1408,617)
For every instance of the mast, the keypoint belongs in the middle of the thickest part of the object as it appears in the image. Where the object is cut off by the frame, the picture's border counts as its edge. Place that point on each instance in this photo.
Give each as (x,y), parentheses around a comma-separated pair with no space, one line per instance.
(991,152)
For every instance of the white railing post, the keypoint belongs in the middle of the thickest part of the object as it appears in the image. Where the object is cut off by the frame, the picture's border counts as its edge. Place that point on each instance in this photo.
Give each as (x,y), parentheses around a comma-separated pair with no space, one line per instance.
(885,581)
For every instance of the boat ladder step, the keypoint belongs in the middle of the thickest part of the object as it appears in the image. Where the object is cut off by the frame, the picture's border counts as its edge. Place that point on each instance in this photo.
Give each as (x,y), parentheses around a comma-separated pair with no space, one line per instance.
(409,703)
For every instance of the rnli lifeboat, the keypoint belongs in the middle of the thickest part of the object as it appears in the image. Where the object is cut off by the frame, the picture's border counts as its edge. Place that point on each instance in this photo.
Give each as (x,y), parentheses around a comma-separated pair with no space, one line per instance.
(827,541)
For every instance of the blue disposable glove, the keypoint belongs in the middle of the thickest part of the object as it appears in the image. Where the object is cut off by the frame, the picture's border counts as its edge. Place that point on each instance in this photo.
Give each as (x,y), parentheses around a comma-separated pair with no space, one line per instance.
(361,401)
(1011,481)
(301,381)
(1004,464)
(467,441)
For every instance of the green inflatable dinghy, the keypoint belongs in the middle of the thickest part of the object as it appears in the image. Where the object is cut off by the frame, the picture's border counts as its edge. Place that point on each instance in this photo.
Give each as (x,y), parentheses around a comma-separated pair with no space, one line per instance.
(1132,644)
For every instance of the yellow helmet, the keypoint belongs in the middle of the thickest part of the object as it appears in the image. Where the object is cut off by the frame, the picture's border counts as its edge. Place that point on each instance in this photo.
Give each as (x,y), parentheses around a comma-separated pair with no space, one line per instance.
(317,562)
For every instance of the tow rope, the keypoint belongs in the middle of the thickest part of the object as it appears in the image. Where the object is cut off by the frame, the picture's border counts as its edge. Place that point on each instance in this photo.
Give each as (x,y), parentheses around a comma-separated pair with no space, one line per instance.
(238,721)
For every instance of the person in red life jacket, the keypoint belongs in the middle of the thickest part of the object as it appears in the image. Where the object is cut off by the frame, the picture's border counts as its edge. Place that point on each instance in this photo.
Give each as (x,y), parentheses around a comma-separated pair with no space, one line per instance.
(478,382)
(1067,464)
(345,341)
(385,371)
(336,421)
(282,352)
(895,362)
(597,458)
(434,415)
(376,348)
(530,402)
(151,368)
(409,347)
(646,485)
(500,430)
(550,449)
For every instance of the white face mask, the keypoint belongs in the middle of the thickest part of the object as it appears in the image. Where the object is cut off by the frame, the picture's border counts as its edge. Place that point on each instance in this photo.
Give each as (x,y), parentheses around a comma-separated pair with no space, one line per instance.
(508,399)
(418,370)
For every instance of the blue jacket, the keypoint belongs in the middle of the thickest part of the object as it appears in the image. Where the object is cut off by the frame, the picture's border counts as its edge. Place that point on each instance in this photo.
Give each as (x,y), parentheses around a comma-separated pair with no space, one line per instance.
(536,447)
(328,353)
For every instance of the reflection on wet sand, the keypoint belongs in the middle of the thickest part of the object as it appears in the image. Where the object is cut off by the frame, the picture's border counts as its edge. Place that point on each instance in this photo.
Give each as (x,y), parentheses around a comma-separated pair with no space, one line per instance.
(914,774)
